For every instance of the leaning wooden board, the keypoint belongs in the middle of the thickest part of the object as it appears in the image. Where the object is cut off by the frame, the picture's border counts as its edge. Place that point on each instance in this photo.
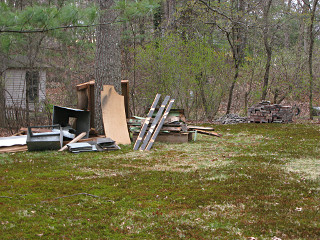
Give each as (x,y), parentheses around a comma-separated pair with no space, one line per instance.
(154,123)
(114,116)
(156,132)
(146,122)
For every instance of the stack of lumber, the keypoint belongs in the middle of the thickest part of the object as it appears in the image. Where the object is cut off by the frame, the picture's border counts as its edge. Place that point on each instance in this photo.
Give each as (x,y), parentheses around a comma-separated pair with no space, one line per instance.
(264,112)
(169,127)
(173,132)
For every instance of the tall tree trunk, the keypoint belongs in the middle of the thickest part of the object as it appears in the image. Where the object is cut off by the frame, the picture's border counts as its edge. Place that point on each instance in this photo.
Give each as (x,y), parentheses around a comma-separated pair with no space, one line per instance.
(268,49)
(235,79)
(310,54)
(237,40)
(108,56)
(266,73)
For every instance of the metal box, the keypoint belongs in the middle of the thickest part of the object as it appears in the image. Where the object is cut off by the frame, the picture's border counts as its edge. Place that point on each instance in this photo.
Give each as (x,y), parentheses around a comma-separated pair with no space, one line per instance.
(45,140)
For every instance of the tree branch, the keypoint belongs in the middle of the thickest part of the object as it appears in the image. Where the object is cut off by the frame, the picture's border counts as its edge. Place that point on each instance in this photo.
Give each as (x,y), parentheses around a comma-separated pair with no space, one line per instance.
(54,28)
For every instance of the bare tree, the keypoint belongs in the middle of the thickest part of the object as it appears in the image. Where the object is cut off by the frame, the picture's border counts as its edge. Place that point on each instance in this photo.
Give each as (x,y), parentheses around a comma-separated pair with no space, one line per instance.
(236,34)
(267,46)
(312,8)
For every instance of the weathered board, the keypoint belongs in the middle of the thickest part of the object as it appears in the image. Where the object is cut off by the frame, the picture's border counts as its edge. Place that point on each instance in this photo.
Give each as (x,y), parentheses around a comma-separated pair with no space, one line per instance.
(154,123)
(146,122)
(159,126)
(114,116)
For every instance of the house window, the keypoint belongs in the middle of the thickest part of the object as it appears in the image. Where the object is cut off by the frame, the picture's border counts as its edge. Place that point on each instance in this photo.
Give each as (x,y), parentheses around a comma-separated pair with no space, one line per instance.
(32,85)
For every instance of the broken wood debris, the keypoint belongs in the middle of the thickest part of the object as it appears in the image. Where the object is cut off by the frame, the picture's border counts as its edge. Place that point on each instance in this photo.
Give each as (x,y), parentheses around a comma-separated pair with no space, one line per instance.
(146,123)
(154,123)
(81,135)
(169,126)
(159,126)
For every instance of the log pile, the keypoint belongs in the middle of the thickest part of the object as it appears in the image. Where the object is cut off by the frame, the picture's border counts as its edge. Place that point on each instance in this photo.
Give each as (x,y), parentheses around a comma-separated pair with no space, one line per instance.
(264,112)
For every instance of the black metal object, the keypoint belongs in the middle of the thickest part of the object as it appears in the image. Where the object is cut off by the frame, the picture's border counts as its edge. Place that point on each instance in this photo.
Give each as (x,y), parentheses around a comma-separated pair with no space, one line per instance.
(62,115)
(44,141)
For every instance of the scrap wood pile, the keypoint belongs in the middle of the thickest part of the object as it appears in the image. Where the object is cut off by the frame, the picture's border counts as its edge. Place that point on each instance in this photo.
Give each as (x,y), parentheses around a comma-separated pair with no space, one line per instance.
(264,112)
(163,124)
(70,129)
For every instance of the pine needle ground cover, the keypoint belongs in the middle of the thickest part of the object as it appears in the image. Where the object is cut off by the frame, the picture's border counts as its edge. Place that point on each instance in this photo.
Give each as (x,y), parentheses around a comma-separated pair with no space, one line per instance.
(258,181)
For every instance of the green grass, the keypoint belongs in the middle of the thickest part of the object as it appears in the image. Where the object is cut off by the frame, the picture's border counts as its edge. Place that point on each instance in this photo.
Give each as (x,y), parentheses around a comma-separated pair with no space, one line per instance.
(258,180)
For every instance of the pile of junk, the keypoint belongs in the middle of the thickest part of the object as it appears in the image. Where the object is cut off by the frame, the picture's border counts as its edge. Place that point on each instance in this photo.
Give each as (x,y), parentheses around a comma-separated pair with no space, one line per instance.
(73,129)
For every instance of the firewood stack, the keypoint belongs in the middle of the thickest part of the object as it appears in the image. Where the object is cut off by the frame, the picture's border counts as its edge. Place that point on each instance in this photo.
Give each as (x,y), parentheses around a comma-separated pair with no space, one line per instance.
(264,112)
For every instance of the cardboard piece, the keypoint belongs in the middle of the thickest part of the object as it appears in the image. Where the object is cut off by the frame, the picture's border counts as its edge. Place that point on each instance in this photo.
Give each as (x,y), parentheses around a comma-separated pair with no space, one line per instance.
(114,116)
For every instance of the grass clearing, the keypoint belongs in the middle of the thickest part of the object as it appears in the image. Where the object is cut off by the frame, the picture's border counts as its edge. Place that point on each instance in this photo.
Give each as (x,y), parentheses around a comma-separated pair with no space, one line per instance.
(258,180)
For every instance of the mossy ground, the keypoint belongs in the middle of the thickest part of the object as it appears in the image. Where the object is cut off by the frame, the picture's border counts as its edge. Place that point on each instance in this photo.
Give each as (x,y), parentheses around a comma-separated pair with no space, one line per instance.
(258,180)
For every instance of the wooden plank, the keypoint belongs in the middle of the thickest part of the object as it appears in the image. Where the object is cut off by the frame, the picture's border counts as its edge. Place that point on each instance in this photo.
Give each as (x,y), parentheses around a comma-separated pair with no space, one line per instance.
(13,149)
(154,123)
(155,134)
(76,139)
(200,128)
(209,133)
(172,137)
(114,116)
(146,122)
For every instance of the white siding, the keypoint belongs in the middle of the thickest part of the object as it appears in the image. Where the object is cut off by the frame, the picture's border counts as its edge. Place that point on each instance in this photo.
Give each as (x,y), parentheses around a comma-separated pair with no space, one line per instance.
(15,88)
(15,85)
(42,86)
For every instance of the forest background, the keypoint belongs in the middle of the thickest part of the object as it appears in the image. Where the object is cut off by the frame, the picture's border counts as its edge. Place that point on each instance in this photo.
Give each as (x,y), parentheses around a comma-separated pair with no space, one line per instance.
(213,56)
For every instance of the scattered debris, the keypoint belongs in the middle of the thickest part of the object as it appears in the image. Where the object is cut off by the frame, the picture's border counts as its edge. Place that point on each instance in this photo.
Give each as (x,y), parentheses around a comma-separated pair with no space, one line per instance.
(232,119)
(99,144)
(44,140)
(191,127)
(209,133)
(13,149)
(264,112)
(168,127)
(171,124)
(81,147)
(106,144)
(81,135)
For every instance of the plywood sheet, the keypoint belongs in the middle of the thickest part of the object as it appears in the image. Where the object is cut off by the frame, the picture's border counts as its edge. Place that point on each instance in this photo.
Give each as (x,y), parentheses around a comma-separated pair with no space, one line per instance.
(114,116)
